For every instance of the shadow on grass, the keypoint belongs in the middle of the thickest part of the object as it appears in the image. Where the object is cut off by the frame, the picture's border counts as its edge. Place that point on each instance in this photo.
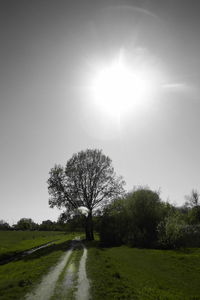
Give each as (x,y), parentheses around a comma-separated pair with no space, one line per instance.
(24,255)
(49,249)
(95,244)
(37,253)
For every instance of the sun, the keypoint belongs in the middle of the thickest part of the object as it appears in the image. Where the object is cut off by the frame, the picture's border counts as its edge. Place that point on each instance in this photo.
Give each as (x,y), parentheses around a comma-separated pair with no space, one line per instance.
(120,87)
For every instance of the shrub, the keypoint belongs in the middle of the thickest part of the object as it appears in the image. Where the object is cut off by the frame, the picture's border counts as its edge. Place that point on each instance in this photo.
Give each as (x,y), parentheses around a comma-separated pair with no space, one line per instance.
(171,231)
(191,235)
(133,220)
(113,224)
(144,211)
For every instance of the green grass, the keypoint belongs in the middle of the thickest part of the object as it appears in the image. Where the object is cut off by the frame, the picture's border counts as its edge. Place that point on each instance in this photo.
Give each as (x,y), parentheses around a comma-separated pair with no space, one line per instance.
(128,273)
(16,241)
(115,273)
(19,277)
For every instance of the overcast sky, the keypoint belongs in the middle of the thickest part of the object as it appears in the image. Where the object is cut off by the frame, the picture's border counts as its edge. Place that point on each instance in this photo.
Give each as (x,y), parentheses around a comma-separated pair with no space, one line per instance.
(49,51)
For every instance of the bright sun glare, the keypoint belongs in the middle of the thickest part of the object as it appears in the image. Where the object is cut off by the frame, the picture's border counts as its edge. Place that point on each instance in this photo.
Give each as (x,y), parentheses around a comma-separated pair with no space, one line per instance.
(120,87)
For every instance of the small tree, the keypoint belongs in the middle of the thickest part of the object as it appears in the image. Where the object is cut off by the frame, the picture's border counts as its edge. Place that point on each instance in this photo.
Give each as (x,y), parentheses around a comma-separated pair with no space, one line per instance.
(193,199)
(170,230)
(144,210)
(26,224)
(47,225)
(88,180)
(133,219)
(193,205)
(4,225)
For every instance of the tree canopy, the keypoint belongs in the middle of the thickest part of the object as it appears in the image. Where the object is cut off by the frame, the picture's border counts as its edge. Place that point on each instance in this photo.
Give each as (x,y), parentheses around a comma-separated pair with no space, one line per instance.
(133,219)
(88,180)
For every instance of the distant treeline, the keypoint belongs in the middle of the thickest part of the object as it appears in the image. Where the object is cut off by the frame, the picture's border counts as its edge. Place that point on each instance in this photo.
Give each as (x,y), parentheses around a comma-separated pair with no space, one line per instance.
(139,219)
(69,224)
(29,224)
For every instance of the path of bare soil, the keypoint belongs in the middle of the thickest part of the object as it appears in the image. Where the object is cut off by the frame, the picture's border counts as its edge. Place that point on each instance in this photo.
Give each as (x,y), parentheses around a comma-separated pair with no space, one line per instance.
(74,285)
(83,283)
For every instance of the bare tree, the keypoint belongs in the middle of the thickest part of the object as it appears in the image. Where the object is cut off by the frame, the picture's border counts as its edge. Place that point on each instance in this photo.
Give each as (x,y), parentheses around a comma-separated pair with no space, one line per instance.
(88,181)
(193,200)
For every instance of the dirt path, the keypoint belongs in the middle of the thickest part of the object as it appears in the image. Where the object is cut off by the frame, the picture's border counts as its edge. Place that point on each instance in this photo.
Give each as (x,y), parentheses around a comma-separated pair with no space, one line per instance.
(46,287)
(65,280)
(83,283)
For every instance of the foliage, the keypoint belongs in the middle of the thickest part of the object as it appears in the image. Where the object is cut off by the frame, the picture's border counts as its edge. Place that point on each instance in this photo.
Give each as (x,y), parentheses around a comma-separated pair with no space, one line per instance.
(49,225)
(170,231)
(141,219)
(193,206)
(4,225)
(133,220)
(88,180)
(194,215)
(113,223)
(174,232)
(191,235)
(26,224)
(77,223)
(193,199)
(145,211)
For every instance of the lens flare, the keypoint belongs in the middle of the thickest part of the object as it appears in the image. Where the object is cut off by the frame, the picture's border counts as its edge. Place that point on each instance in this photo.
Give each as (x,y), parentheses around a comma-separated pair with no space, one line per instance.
(119,87)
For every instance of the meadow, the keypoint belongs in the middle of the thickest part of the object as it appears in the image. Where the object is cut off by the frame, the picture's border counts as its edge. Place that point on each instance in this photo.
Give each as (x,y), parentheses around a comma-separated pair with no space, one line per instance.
(114,273)
(15,241)
(20,276)
(144,274)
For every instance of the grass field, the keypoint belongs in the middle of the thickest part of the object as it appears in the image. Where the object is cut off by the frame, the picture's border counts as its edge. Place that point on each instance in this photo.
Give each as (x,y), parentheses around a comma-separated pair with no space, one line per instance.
(128,273)
(115,273)
(15,241)
(19,277)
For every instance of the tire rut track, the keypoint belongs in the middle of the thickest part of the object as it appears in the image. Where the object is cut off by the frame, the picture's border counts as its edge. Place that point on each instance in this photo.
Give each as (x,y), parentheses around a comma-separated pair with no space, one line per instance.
(74,284)
(45,289)
(83,282)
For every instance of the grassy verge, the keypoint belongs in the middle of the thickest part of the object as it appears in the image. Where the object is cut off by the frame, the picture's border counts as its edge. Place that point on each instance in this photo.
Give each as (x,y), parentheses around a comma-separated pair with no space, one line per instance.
(127,273)
(17,278)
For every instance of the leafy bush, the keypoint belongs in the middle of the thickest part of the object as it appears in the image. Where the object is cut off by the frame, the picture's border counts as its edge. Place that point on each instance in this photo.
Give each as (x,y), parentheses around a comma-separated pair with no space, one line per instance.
(133,220)
(4,225)
(141,220)
(194,215)
(113,224)
(144,212)
(191,235)
(174,232)
(170,231)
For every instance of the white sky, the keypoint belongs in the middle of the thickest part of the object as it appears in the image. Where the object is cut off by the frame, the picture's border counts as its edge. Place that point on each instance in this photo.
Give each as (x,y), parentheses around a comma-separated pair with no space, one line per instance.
(49,50)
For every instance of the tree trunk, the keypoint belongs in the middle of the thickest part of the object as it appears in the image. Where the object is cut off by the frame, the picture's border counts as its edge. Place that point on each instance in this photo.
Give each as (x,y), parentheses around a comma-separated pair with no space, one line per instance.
(89,228)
